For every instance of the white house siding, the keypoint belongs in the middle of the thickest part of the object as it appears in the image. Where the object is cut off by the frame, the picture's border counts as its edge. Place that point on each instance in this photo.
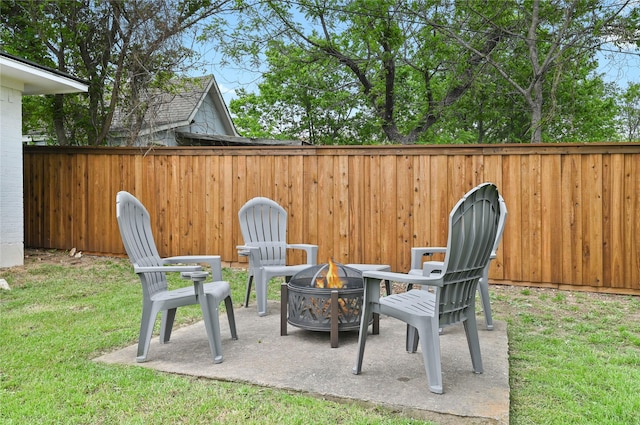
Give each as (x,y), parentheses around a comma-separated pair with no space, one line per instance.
(11,185)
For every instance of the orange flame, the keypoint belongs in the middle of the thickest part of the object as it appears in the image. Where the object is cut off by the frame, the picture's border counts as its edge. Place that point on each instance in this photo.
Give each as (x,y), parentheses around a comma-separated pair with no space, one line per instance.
(331,280)
(333,276)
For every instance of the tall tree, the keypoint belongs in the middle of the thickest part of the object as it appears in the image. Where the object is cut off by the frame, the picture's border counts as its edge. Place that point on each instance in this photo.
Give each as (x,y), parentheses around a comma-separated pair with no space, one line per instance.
(121,47)
(552,37)
(401,70)
(578,107)
(428,70)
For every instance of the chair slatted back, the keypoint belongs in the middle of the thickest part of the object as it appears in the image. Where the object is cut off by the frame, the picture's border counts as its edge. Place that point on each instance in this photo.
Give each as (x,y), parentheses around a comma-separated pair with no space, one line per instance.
(473,225)
(263,223)
(135,229)
(501,224)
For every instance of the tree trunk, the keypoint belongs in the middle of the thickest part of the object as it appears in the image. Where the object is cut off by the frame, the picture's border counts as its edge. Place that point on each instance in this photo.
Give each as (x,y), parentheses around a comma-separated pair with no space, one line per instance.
(536,112)
(58,119)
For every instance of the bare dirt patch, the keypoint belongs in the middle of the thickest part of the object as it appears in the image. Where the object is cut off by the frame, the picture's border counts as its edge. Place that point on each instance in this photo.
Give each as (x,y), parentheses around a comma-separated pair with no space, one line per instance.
(58,257)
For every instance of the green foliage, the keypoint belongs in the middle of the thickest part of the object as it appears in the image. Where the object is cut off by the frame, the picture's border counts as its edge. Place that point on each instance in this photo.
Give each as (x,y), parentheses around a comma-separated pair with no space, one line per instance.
(121,49)
(630,112)
(34,111)
(40,31)
(357,72)
(584,110)
(305,103)
(428,71)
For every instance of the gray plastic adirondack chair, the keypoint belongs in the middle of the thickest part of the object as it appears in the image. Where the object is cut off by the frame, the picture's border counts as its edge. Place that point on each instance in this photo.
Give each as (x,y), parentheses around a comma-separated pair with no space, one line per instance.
(447,297)
(263,223)
(417,264)
(135,230)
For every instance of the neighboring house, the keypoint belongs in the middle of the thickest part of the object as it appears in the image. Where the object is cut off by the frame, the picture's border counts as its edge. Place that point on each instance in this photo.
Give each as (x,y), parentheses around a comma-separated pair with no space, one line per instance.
(20,77)
(191,111)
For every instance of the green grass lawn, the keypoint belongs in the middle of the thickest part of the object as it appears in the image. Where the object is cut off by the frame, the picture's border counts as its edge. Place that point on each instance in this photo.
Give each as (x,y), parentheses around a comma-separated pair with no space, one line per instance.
(574,357)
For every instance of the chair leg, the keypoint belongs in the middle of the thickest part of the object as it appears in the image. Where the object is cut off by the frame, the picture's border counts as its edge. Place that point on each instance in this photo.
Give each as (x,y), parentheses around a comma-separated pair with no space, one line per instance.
(430,344)
(261,293)
(231,317)
(412,339)
(365,318)
(210,312)
(248,294)
(166,324)
(147,322)
(483,289)
(471,330)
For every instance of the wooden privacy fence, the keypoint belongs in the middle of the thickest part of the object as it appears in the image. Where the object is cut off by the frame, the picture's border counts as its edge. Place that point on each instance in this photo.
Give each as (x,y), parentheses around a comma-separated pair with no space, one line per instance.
(573,222)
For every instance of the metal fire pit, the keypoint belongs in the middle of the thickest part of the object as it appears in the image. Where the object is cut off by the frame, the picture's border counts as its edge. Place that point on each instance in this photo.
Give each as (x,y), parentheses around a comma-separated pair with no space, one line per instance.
(308,304)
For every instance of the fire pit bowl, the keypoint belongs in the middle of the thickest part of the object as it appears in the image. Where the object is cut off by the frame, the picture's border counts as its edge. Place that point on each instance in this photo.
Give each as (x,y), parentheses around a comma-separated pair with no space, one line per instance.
(309,301)
(325,297)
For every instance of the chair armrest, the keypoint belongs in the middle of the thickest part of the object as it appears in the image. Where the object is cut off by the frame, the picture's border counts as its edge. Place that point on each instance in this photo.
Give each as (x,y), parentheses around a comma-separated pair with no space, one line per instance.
(418,252)
(431,267)
(311,250)
(245,250)
(152,269)
(253,252)
(403,278)
(213,261)
(195,276)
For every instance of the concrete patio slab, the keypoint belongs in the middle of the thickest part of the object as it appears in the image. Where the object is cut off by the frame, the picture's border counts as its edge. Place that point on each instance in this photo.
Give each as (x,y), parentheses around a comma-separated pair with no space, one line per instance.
(304,361)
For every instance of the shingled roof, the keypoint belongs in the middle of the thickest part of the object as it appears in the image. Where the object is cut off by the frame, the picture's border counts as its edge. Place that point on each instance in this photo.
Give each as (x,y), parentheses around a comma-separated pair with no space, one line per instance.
(177,106)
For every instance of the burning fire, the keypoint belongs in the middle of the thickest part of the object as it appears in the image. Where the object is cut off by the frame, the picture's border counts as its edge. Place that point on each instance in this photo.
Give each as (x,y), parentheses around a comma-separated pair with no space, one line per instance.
(332,279)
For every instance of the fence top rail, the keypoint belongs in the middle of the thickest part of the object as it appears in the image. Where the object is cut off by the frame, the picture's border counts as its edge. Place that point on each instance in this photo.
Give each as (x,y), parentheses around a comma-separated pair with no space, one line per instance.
(378,150)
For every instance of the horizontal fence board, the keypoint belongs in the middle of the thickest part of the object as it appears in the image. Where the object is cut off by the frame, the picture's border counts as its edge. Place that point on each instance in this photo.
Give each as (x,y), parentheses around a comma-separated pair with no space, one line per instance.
(573,217)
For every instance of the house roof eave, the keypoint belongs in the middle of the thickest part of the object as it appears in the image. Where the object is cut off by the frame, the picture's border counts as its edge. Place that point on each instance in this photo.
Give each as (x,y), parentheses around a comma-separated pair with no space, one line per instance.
(34,79)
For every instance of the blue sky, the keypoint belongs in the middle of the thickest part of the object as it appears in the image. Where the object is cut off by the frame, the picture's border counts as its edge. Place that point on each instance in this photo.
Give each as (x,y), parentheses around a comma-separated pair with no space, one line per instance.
(620,68)
(229,77)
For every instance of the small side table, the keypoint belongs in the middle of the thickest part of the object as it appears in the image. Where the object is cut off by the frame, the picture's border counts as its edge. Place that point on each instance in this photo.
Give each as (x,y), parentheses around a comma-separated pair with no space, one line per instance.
(374,267)
(198,278)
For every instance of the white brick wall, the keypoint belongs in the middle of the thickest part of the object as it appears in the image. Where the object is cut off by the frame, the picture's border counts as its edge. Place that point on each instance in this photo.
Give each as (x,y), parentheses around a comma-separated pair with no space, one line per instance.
(11,185)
